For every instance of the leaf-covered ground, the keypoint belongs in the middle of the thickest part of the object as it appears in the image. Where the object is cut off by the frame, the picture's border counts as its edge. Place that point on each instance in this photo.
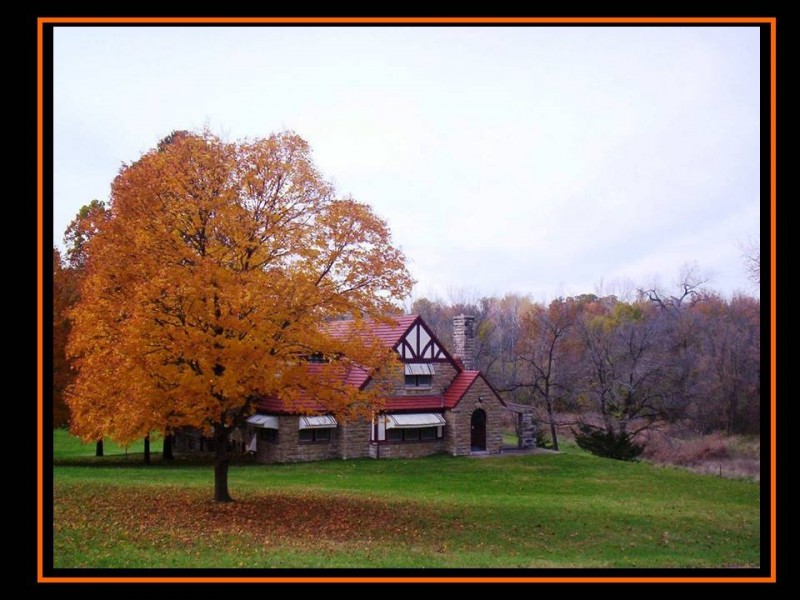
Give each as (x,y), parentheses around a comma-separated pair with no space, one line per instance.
(186,521)
(567,510)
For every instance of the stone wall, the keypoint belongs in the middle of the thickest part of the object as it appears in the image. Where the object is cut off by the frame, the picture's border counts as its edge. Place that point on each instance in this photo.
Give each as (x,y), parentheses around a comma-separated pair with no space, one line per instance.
(443,376)
(527,429)
(353,439)
(453,442)
(289,448)
(348,440)
(407,449)
(457,433)
(526,425)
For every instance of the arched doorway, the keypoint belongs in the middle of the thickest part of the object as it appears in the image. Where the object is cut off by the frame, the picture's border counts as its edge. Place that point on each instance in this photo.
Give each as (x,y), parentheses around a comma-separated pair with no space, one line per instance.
(478,430)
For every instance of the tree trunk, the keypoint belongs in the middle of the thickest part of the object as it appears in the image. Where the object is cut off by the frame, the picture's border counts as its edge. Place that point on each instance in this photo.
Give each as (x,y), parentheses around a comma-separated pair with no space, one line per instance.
(553,429)
(147,449)
(166,453)
(98,448)
(733,411)
(221,460)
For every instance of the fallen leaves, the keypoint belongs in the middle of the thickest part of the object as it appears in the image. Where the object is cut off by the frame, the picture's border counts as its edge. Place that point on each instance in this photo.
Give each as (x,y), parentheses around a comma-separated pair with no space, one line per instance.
(181,518)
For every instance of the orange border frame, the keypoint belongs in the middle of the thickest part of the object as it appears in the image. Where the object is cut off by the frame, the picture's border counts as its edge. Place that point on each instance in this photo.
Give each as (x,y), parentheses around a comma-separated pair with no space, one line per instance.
(41,21)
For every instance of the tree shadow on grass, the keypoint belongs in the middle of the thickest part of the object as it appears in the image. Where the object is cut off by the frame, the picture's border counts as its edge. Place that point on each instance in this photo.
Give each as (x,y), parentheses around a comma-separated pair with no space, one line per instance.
(136,459)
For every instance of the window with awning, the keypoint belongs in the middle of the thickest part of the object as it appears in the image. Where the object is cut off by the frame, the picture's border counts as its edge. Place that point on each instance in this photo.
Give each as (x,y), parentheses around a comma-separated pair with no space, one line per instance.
(419,369)
(318,422)
(414,420)
(418,375)
(264,421)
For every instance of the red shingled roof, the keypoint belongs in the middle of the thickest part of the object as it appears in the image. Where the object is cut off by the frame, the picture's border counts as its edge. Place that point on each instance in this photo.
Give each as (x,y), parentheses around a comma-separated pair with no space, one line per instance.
(389,333)
(433,402)
(357,377)
(353,375)
(459,387)
(450,399)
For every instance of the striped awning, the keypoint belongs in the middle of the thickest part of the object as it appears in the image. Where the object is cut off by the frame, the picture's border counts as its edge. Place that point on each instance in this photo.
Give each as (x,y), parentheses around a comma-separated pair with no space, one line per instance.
(414,420)
(265,421)
(318,422)
(419,369)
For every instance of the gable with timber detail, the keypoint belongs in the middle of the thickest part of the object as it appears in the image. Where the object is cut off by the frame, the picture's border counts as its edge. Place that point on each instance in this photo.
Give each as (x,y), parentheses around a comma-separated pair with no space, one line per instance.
(419,344)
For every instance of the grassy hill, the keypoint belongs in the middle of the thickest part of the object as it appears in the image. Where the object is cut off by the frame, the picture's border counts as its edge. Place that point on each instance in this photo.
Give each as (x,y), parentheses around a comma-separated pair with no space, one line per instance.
(565,510)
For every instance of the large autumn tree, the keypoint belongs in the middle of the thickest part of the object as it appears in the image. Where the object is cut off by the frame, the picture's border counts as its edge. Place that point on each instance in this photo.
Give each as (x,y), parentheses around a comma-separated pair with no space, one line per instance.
(213,280)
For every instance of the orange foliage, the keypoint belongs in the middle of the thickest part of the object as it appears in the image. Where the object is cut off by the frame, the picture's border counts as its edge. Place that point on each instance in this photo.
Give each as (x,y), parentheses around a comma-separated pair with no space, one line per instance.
(212,281)
(65,286)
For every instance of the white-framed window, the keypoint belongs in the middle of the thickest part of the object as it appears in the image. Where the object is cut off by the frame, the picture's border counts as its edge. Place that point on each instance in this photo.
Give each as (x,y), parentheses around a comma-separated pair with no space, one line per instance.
(418,375)
(311,436)
(412,434)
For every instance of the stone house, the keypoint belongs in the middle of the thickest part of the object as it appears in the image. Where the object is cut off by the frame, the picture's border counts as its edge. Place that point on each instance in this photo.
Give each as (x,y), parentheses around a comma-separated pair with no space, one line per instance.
(442,405)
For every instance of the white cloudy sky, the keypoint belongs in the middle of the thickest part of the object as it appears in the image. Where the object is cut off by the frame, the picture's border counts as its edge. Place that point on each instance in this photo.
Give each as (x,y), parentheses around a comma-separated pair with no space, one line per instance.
(534,160)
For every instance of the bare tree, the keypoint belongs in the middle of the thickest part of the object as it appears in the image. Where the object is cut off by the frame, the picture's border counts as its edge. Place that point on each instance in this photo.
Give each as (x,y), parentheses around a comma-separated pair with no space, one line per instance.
(752,261)
(624,368)
(730,366)
(543,332)
(691,288)
(678,331)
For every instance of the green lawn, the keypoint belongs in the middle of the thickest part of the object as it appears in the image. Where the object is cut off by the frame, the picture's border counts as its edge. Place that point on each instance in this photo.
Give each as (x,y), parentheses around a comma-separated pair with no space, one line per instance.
(565,510)
(67,447)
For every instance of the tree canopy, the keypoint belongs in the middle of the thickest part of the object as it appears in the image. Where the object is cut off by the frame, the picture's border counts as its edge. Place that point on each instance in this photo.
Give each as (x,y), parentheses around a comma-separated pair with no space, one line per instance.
(211,281)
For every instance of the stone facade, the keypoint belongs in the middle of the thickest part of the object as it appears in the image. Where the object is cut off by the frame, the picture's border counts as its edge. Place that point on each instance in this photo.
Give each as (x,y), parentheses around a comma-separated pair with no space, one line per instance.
(443,375)
(288,447)
(526,424)
(348,440)
(407,449)
(527,430)
(354,439)
(458,432)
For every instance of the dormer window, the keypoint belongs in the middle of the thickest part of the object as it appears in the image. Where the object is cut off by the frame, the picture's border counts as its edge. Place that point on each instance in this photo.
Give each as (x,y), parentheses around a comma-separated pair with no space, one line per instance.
(418,375)
(418,381)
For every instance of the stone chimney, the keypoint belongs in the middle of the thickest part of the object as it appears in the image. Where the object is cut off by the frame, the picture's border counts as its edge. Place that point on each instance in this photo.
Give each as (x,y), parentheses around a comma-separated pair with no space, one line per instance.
(464,340)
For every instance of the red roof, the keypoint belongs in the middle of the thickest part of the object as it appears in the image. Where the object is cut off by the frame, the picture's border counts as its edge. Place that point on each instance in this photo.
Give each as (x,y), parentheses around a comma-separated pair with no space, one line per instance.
(459,387)
(433,402)
(389,334)
(357,377)
(331,372)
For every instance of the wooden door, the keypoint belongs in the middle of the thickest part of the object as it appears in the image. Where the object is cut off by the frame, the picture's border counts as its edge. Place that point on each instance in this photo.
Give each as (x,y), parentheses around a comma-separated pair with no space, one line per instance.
(478,430)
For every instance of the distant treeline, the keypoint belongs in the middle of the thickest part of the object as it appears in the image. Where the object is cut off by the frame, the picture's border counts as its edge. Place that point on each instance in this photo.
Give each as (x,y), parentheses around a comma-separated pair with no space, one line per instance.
(621,366)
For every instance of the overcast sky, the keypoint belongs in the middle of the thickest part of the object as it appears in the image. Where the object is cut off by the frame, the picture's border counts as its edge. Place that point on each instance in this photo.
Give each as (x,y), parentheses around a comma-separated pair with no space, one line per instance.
(543,160)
